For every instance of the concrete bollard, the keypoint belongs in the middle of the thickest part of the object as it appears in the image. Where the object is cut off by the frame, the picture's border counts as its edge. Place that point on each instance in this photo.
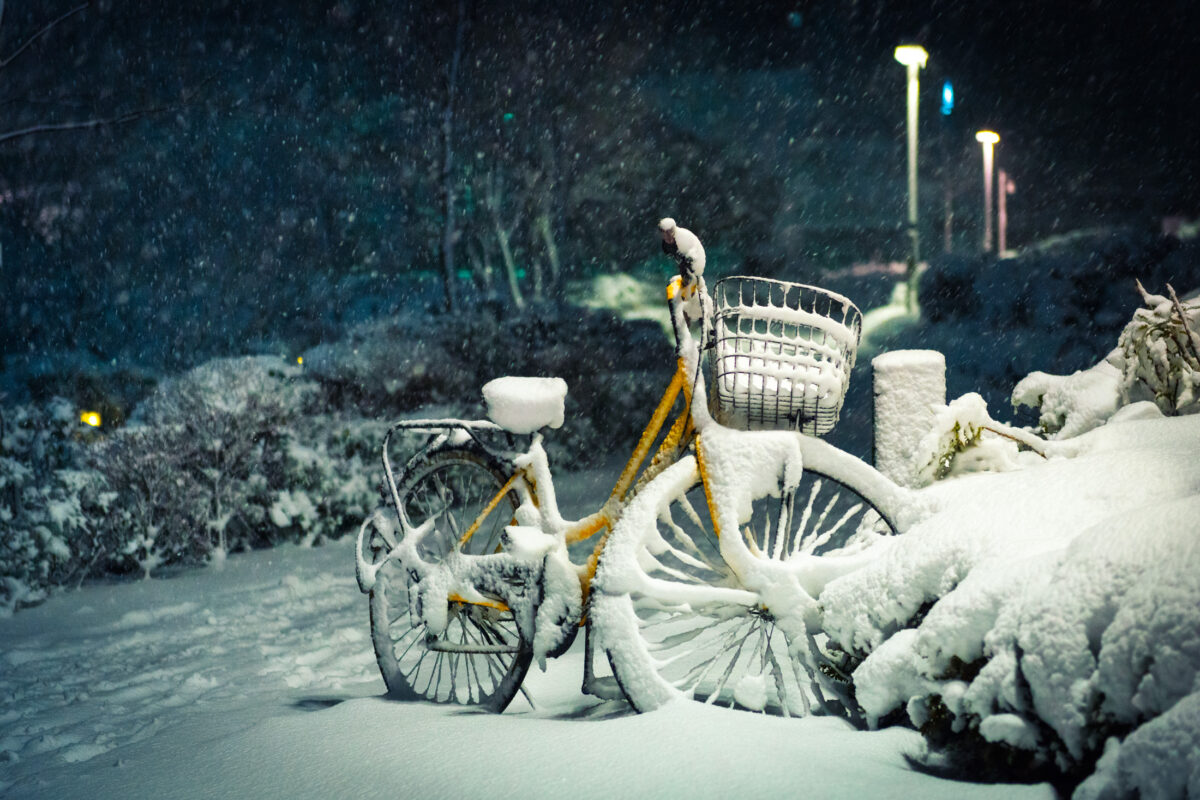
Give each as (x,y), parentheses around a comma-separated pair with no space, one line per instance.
(910,385)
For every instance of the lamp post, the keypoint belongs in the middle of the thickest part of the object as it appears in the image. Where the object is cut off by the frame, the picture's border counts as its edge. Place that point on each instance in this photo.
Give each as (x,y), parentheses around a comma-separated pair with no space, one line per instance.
(947,184)
(988,139)
(913,57)
(1004,187)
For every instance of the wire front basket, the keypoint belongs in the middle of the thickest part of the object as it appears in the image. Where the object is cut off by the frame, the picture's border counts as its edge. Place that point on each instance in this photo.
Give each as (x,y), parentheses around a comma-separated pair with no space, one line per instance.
(784,352)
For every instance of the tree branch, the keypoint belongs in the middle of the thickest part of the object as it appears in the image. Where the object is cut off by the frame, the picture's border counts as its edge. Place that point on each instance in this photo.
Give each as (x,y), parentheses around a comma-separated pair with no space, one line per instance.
(46,29)
(1024,440)
(1191,337)
(53,127)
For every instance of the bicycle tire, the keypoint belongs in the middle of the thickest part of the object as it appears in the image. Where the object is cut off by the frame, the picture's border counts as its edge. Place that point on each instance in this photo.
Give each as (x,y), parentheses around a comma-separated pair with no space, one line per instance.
(413,662)
(665,641)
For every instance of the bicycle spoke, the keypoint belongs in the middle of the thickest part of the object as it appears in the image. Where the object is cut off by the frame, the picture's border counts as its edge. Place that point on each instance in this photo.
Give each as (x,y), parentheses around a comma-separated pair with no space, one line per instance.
(783,524)
(647,625)
(752,540)
(676,639)
(728,672)
(495,667)
(675,573)
(834,528)
(417,637)
(802,530)
(475,689)
(781,692)
(684,557)
(722,645)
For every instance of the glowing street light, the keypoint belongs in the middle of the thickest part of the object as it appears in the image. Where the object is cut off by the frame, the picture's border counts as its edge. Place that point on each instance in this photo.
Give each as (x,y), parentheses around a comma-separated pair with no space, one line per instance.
(988,139)
(913,57)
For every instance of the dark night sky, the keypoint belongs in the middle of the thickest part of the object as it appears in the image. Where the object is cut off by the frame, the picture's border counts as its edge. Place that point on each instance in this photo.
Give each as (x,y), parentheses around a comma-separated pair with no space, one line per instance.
(1112,81)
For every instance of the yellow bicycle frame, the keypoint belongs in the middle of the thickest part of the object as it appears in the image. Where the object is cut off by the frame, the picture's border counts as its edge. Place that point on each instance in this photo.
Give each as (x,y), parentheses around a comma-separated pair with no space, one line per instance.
(666,454)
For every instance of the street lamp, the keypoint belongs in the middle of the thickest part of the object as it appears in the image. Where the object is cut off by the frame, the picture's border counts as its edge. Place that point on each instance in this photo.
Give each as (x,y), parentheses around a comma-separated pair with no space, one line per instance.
(913,57)
(1004,187)
(988,139)
(947,183)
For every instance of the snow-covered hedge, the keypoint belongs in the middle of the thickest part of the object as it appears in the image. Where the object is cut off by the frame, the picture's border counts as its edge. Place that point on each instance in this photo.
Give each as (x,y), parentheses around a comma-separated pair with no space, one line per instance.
(247,452)
(1045,615)
(235,454)
(1044,621)
(49,502)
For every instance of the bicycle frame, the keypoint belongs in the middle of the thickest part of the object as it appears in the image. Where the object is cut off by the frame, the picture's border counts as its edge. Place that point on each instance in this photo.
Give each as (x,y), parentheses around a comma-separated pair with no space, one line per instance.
(531,477)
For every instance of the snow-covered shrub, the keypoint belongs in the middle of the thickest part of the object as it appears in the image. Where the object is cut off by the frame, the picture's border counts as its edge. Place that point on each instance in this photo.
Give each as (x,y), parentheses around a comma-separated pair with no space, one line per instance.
(156,516)
(1157,360)
(1160,351)
(1072,404)
(330,477)
(1043,622)
(200,458)
(964,439)
(48,505)
(233,455)
(1058,307)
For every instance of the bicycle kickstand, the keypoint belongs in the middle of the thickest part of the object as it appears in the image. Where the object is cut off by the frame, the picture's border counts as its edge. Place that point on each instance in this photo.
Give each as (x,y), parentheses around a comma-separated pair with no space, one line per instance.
(603,686)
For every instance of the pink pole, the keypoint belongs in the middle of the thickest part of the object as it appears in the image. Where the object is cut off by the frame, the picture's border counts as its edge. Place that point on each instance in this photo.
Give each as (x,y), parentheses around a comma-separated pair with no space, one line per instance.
(1002,211)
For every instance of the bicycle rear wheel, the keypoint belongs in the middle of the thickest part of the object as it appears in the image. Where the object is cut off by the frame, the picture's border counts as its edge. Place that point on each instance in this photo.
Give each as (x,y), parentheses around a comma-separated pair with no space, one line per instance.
(483,654)
(677,620)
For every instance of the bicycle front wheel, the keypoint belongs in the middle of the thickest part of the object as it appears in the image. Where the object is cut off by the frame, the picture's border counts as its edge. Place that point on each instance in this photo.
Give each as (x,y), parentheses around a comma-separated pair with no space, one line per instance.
(677,620)
(482,655)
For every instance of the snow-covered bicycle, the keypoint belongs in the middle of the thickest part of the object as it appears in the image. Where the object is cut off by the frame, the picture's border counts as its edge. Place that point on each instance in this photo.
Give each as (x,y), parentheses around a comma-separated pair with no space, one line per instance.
(709,557)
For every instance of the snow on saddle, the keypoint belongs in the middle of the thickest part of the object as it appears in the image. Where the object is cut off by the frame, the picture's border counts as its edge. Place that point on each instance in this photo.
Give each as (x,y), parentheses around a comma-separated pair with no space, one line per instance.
(525,405)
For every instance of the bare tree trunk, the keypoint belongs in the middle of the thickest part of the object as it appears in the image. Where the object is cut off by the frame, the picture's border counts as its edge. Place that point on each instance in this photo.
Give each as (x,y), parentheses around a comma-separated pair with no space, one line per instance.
(554,199)
(510,264)
(545,229)
(539,279)
(493,199)
(481,268)
(449,225)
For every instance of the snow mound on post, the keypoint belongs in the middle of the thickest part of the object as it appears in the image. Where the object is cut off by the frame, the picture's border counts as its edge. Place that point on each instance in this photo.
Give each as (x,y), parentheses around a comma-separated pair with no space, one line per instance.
(525,405)
(910,385)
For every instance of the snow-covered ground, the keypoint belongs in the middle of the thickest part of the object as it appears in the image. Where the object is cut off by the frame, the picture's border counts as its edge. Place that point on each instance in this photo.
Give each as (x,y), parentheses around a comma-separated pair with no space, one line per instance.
(258,680)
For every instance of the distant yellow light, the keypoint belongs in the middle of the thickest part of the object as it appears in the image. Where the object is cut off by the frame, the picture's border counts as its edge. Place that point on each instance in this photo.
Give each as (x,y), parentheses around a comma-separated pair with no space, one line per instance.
(909,54)
(299,359)
(91,418)
(987,137)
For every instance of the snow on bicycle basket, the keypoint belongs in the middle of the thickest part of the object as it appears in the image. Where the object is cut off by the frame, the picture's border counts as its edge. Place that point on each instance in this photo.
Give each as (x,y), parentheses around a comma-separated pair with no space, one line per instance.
(784,352)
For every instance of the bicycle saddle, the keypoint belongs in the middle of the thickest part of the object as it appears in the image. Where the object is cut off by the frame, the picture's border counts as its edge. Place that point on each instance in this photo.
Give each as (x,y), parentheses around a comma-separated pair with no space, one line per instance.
(525,405)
